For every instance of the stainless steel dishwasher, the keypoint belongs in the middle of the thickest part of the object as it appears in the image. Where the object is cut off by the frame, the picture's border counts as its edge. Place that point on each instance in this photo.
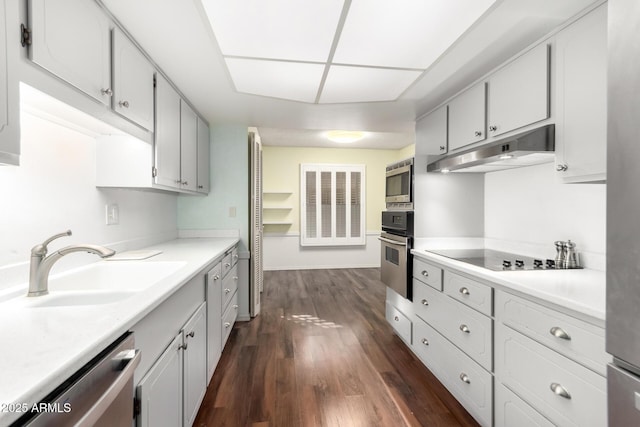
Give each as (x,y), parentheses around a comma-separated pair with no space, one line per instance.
(99,394)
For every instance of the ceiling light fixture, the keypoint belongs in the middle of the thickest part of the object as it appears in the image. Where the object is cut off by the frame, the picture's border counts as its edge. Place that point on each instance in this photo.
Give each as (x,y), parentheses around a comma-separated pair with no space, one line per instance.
(345,136)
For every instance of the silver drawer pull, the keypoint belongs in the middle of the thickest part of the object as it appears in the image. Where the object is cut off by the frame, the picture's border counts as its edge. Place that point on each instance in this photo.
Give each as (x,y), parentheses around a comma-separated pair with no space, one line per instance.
(227,290)
(235,306)
(559,390)
(216,277)
(227,264)
(183,346)
(235,278)
(396,318)
(425,341)
(425,273)
(559,333)
(227,324)
(191,334)
(424,302)
(464,291)
(465,378)
(464,328)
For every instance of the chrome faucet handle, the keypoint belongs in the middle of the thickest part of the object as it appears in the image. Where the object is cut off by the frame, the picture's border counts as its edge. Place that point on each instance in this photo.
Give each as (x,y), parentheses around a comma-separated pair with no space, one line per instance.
(41,249)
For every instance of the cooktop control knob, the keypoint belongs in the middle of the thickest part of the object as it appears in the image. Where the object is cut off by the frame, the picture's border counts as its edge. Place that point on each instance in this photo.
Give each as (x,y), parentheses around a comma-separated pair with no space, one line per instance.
(551,263)
(519,263)
(506,264)
(537,263)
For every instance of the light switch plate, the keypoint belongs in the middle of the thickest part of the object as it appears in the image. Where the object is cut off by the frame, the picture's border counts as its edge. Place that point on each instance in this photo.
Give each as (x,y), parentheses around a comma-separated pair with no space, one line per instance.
(112,214)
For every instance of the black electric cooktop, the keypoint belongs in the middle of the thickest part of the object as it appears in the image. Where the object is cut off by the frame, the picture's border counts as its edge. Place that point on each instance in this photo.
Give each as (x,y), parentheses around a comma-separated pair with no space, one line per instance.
(496,260)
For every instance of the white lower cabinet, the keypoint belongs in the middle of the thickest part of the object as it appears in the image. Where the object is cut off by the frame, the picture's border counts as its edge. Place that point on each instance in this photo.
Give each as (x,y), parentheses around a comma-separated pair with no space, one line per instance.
(214,319)
(513,411)
(399,322)
(171,392)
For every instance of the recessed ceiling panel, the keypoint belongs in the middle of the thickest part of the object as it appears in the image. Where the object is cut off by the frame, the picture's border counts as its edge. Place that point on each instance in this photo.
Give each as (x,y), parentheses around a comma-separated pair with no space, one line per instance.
(278,79)
(406,33)
(360,84)
(301,30)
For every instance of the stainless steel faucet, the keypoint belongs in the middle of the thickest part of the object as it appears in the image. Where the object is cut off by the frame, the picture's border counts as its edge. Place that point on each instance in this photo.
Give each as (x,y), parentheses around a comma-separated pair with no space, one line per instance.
(41,263)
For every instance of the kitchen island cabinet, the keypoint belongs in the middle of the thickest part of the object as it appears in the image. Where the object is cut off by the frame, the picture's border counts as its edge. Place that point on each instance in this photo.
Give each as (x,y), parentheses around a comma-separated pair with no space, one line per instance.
(9,99)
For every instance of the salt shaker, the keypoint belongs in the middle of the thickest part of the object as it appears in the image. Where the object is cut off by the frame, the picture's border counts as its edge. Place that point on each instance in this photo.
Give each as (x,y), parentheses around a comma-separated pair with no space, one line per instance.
(570,260)
(561,253)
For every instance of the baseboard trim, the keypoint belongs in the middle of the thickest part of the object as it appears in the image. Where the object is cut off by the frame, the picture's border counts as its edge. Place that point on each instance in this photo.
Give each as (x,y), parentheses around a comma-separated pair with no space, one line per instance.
(322,267)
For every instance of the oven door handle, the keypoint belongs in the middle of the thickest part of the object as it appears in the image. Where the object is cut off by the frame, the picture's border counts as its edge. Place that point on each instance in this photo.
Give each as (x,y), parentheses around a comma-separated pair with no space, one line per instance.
(392,242)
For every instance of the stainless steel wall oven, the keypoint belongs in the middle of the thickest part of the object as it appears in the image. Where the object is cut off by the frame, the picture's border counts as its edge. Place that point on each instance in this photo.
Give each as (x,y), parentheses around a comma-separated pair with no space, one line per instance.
(396,242)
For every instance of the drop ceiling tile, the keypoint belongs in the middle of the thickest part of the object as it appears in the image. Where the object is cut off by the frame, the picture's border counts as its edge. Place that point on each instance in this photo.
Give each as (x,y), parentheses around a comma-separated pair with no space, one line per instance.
(362,84)
(301,30)
(278,79)
(405,33)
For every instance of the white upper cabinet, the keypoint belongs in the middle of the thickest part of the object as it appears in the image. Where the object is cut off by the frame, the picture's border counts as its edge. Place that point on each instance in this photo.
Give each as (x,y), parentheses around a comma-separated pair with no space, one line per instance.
(519,92)
(431,133)
(188,147)
(467,117)
(9,103)
(132,82)
(203,157)
(167,136)
(581,73)
(71,39)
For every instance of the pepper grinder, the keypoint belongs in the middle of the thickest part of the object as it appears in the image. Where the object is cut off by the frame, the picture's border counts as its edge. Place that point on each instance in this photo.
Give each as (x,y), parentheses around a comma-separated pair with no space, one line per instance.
(570,260)
(561,253)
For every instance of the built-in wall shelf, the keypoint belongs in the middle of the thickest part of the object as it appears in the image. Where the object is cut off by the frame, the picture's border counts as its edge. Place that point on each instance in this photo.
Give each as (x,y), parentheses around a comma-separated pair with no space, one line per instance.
(277,212)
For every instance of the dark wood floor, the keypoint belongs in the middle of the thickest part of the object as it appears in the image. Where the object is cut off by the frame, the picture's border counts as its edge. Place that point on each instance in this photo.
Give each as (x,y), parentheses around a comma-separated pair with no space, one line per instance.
(322,354)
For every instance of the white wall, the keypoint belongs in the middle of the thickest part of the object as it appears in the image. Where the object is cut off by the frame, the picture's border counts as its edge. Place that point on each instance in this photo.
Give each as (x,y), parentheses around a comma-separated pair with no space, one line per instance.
(54,190)
(528,207)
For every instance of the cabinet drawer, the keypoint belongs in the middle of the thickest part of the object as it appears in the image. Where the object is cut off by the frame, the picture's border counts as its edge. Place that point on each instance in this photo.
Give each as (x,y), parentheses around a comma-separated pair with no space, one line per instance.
(513,411)
(229,286)
(399,322)
(469,292)
(234,256)
(229,318)
(574,338)
(227,263)
(466,328)
(427,273)
(563,391)
(465,379)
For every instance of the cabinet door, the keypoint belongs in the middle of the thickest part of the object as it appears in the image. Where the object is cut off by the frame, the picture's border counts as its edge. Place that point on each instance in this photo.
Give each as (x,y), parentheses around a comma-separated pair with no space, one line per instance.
(9,104)
(581,128)
(519,93)
(203,157)
(214,319)
(467,117)
(71,39)
(188,147)
(132,82)
(160,391)
(512,411)
(195,364)
(431,133)
(167,135)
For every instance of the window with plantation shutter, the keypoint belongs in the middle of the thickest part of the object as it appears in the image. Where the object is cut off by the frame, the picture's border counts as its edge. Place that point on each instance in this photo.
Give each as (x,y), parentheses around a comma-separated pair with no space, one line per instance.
(332,205)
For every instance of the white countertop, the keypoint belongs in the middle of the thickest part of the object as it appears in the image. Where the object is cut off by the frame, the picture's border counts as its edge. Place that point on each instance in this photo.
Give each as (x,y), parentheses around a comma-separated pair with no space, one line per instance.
(42,347)
(579,292)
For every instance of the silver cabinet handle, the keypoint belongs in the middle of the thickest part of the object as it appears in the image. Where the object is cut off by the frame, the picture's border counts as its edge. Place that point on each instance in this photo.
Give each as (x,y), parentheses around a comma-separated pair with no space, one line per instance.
(235,256)
(227,290)
(424,302)
(493,128)
(425,341)
(191,334)
(465,378)
(235,278)
(178,181)
(559,390)
(185,183)
(396,318)
(464,291)
(124,104)
(442,147)
(425,273)
(183,346)
(227,324)
(558,332)
(562,167)
(200,186)
(216,277)
(477,133)
(107,91)
(227,264)
(235,306)
(464,328)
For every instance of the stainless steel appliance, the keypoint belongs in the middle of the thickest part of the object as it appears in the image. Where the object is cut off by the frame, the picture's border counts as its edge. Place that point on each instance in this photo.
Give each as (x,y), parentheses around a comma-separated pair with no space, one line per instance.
(399,182)
(396,241)
(496,260)
(100,394)
(623,211)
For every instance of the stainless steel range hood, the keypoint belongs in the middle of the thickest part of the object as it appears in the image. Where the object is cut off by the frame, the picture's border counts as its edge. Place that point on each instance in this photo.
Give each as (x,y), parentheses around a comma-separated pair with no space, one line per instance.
(525,149)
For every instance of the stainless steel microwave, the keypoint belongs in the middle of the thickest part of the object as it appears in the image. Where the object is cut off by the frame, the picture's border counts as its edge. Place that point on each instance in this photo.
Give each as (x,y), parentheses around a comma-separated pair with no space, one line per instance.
(399,182)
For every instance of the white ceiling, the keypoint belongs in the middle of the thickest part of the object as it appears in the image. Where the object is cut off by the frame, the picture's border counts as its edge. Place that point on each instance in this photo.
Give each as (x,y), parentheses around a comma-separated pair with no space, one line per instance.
(318,138)
(178,35)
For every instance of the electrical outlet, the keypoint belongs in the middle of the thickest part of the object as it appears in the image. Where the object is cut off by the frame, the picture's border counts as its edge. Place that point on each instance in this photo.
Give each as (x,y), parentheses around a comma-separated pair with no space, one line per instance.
(112,214)
(232,212)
